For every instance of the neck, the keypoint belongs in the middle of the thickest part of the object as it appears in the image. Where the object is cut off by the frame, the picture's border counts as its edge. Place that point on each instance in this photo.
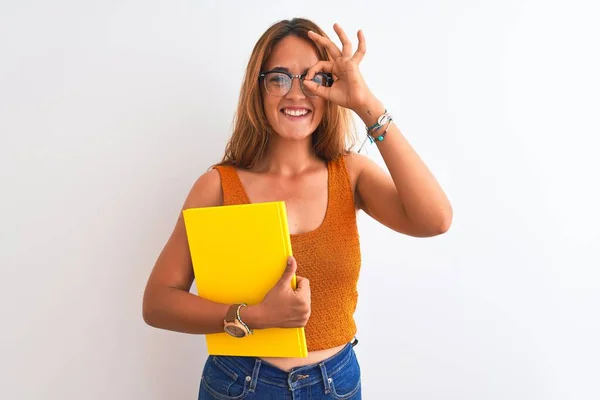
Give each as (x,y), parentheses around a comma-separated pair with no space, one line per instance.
(288,156)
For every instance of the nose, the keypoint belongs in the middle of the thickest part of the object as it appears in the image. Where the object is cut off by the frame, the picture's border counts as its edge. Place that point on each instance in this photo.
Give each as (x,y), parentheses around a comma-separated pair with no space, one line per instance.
(296,89)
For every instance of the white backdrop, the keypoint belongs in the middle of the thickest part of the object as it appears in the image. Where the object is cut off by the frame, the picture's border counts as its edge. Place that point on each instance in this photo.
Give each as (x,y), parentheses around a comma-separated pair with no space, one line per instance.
(109,111)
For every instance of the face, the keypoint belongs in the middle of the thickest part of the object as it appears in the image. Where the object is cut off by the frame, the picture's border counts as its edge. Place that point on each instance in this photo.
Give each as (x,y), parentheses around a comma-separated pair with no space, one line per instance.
(294,115)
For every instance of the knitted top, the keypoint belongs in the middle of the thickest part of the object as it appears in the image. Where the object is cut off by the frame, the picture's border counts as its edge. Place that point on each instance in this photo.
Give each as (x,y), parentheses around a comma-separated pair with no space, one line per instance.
(329,257)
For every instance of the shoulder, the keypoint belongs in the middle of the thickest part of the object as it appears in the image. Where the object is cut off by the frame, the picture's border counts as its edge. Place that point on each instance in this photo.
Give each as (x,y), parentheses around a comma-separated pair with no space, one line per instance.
(355,164)
(206,191)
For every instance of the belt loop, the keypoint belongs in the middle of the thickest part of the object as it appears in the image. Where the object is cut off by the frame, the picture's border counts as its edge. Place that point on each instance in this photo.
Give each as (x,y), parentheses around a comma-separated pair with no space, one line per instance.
(257,364)
(326,379)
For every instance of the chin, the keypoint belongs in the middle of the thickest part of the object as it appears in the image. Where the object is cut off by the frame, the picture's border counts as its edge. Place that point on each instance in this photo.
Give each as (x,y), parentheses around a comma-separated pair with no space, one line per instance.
(294,134)
(294,129)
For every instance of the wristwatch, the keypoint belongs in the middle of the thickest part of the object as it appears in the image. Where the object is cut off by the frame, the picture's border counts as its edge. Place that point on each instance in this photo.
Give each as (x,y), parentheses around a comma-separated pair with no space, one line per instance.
(233,324)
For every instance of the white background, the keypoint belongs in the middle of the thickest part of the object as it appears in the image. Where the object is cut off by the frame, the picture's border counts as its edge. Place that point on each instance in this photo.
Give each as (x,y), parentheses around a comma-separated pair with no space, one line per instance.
(110,110)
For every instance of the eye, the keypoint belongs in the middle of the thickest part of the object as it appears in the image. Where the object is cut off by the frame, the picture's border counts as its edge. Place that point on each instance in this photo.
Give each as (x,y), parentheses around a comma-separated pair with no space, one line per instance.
(320,79)
(278,79)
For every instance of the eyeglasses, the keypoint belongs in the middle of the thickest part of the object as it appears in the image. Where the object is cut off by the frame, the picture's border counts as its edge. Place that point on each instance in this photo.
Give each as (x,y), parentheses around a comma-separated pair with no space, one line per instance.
(279,83)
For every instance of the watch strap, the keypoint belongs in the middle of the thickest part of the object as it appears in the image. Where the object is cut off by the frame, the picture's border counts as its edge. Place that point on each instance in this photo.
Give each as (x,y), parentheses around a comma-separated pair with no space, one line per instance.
(231,314)
(233,317)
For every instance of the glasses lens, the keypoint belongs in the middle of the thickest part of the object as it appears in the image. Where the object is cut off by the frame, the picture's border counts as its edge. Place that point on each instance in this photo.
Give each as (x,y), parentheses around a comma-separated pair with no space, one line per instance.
(277,84)
(320,79)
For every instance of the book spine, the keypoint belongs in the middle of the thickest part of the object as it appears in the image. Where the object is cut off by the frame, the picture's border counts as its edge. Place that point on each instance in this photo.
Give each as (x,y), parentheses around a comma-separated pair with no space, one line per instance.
(287,243)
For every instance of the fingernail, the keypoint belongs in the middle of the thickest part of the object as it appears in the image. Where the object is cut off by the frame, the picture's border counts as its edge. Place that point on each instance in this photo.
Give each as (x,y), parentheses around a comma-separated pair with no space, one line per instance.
(289,260)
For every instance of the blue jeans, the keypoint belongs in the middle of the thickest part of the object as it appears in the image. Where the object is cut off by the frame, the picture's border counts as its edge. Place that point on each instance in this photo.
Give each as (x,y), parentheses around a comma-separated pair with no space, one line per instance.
(232,378)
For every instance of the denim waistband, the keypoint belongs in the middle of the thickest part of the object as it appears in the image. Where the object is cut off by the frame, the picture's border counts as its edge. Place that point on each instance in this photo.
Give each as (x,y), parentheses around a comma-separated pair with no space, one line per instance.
(308,375)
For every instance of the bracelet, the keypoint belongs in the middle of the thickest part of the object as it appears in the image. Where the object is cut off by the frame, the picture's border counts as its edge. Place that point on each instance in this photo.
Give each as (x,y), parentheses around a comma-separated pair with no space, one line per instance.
(237,315)
(382,120)
(382,136)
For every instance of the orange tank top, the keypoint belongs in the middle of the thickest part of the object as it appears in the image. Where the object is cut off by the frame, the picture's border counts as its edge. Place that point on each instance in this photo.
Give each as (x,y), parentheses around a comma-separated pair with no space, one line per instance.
(329,257)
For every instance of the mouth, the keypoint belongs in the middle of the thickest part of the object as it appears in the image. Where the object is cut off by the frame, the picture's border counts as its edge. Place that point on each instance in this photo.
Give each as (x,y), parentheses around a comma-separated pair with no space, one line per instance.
(295,113)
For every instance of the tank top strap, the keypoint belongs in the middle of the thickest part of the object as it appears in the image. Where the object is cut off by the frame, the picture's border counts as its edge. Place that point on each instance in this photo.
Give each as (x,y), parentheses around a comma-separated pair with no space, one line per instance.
(341,200)
(233,191)
(342,196)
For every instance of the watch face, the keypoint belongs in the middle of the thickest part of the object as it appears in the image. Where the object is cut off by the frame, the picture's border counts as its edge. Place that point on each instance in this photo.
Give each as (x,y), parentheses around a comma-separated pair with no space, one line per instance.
(235,331)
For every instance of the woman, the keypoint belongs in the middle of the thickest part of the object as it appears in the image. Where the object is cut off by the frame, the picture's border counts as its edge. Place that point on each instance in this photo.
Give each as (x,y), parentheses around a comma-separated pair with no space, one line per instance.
(289,143)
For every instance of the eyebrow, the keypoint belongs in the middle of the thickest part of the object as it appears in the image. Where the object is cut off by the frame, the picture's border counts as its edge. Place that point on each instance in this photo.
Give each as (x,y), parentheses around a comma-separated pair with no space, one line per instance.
(284,69)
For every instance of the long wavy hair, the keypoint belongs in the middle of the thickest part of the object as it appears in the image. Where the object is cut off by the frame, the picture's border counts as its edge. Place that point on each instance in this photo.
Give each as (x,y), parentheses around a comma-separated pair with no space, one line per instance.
(250,138)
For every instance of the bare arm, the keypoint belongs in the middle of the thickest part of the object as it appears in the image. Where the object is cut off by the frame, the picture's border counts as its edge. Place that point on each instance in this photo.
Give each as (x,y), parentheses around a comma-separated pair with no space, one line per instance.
(409,201)
(169,305)
(167,302)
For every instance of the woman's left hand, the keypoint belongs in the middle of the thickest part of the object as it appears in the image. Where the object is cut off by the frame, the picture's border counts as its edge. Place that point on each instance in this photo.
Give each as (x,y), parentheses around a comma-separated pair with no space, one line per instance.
(349,88)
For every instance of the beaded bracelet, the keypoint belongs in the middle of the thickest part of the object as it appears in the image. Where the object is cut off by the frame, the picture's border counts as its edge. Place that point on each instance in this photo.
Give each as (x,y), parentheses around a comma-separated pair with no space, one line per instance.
(380,122)
(380,138)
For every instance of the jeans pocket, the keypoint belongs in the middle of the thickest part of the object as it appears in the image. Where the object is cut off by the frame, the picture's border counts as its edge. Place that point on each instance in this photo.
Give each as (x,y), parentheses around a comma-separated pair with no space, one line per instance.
(224,381)
(346,383)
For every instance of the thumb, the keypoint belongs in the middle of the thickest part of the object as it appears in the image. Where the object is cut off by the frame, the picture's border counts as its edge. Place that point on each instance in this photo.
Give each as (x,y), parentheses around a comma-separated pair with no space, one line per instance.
(288,273)
(310,85)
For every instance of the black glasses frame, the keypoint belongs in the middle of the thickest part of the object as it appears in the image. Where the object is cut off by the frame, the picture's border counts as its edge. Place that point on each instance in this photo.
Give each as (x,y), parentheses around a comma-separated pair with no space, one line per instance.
(328,80)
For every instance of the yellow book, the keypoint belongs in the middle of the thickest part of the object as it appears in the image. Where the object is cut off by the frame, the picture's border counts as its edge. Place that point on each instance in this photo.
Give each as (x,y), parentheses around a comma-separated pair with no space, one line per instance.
(239,252)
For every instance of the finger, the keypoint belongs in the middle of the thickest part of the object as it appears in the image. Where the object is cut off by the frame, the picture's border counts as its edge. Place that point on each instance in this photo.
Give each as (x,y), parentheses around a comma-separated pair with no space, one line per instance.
(317,89)
(302,283)
(362,47)
(289,271)
(333,50)
(346,44)
(321,66)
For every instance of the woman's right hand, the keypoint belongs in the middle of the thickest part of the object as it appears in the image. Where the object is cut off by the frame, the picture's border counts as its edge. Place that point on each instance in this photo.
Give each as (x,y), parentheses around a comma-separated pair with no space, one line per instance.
(284,307)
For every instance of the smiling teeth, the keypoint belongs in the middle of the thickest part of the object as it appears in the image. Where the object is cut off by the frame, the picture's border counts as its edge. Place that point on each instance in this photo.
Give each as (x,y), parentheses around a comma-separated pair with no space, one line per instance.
(295,113)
